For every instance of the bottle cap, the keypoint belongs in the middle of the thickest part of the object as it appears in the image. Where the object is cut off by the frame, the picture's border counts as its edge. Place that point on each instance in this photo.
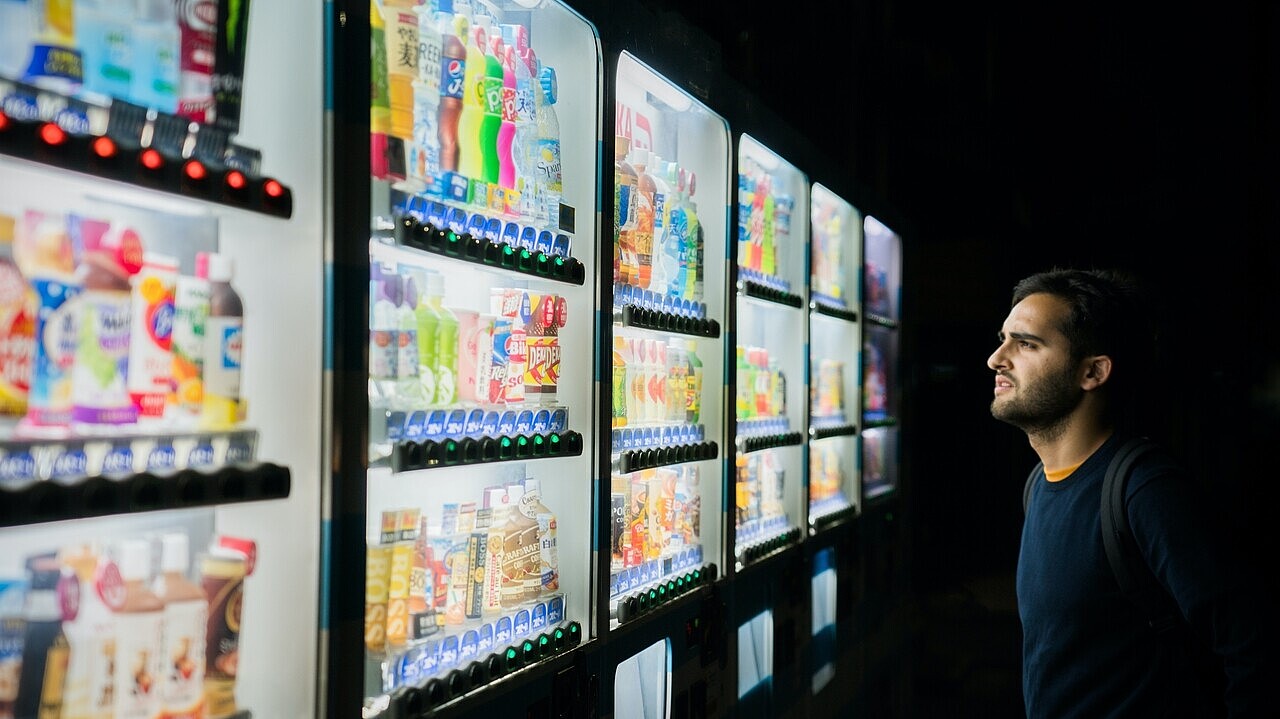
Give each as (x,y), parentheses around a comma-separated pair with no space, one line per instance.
(135,560)
(173,553)
(548,79)
(155,10)
(221,267)
(410,296)
(202,265)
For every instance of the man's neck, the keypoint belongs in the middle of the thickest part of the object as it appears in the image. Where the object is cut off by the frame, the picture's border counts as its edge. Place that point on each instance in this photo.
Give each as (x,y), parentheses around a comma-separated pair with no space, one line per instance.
(1072,444)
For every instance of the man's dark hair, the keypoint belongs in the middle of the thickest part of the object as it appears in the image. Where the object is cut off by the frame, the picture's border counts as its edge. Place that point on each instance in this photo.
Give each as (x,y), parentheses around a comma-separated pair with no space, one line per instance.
(1108,313)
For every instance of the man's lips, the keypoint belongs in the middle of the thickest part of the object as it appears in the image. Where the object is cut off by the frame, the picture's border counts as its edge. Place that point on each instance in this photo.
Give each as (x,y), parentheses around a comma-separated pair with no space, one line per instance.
(1003,384)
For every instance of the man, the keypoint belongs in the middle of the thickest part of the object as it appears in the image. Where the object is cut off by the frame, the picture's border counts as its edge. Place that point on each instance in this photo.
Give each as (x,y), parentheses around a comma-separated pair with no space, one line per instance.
(1071,354)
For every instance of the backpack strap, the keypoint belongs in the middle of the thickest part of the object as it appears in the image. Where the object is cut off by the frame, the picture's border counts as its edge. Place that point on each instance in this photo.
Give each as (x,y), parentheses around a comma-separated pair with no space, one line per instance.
(1127,564)
(1031,481)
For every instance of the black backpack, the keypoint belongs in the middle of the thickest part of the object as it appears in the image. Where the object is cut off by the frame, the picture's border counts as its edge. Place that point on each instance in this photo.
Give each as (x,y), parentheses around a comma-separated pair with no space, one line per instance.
(1136,581)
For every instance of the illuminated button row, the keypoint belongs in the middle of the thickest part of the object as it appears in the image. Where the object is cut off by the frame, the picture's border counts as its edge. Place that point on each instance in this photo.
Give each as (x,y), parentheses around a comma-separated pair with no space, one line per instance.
(759,291)
(637,460)
(648,599)
(49,501)
(769,441)
(104,156)
(429,454)
(410,232)
(762,548)
(416,700)
(633,316)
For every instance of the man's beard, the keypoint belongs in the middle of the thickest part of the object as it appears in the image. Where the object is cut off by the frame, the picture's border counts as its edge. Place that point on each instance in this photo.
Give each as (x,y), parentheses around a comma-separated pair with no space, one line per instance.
(1040,408)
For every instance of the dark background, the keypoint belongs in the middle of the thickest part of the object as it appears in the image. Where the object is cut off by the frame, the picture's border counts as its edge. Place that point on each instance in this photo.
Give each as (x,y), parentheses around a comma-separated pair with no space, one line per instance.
(1000,139)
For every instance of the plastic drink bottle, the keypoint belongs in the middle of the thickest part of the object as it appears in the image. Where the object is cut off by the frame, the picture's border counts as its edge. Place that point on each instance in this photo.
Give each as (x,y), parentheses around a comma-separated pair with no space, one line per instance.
(105,32)
(151,341)
(427,322)
(139,619)
(453,62)
(17,327)
(99,395)
(379,100)
(15,37)
(526,138)
(446,369)
(409,390)
(157,44)
(470,158)
(643,232)
(491,120)
(507,129)
(424,150)
(190,313)
(55,61)
(224,338)
(401,44)
(548,156)
(185,614)
(198,28)
(87,693)
(625,199)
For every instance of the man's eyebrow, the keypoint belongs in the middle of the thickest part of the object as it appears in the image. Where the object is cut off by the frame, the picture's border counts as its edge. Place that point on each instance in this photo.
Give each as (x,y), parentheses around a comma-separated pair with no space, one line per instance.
(1022,336)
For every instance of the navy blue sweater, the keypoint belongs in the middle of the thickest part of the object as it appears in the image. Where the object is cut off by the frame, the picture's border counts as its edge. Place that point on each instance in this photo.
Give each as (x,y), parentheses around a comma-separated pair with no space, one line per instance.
(1087,651)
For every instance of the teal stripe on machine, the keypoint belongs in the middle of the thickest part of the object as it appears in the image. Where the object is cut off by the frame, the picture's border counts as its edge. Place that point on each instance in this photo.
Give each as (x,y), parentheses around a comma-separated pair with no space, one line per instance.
(328,317)
(326,581)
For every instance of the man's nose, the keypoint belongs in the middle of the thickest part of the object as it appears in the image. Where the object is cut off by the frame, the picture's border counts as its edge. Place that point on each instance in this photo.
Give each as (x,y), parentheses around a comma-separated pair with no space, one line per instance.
(997,360)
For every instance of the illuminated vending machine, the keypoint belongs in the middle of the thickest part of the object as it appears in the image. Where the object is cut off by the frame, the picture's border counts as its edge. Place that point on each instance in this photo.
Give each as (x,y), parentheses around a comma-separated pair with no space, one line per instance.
(480,250)
(880,531)
(835,254)
(771,413)
(881,291)
(666,393)
(160,359)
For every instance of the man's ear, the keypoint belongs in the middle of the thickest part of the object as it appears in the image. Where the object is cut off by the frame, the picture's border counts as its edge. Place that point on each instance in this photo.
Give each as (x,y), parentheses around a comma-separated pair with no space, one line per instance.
(1097,370)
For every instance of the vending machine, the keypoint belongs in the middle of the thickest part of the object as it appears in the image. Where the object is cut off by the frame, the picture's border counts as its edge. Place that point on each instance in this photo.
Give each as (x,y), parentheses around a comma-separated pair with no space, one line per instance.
(835,252)
(479,282)
(161,359)
(771,411)
(831,550)
(666,341)
(882,287)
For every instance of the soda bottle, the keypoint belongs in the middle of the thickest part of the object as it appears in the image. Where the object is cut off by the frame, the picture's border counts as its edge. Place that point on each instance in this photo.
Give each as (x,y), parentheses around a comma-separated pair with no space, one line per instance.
(549,145)
(453,62)
(427,323)
(507,130)
(491,121)
(470,159)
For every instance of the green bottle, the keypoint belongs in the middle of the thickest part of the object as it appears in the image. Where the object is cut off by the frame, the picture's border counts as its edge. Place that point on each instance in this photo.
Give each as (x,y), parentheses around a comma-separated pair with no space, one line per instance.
(491,120)
(693,380)
(446,346)
(428,322)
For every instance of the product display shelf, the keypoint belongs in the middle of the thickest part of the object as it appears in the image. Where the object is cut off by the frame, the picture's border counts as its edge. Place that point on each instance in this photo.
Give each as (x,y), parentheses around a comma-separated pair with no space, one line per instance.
(130,144)
(414,699)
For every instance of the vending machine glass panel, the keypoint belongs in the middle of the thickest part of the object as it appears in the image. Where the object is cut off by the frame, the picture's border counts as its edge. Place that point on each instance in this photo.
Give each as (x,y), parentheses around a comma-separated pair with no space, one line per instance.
(642,684)
(665,467)
(484,124)
(770,359)
(160,358)
(755,653)
(823,652)
(834,331)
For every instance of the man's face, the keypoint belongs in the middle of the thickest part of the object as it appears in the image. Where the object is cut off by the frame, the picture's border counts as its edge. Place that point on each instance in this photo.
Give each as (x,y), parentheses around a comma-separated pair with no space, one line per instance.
(1037,383)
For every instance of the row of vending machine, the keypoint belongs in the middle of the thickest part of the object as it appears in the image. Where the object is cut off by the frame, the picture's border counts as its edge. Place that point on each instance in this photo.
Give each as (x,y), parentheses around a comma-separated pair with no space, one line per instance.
(298,297)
